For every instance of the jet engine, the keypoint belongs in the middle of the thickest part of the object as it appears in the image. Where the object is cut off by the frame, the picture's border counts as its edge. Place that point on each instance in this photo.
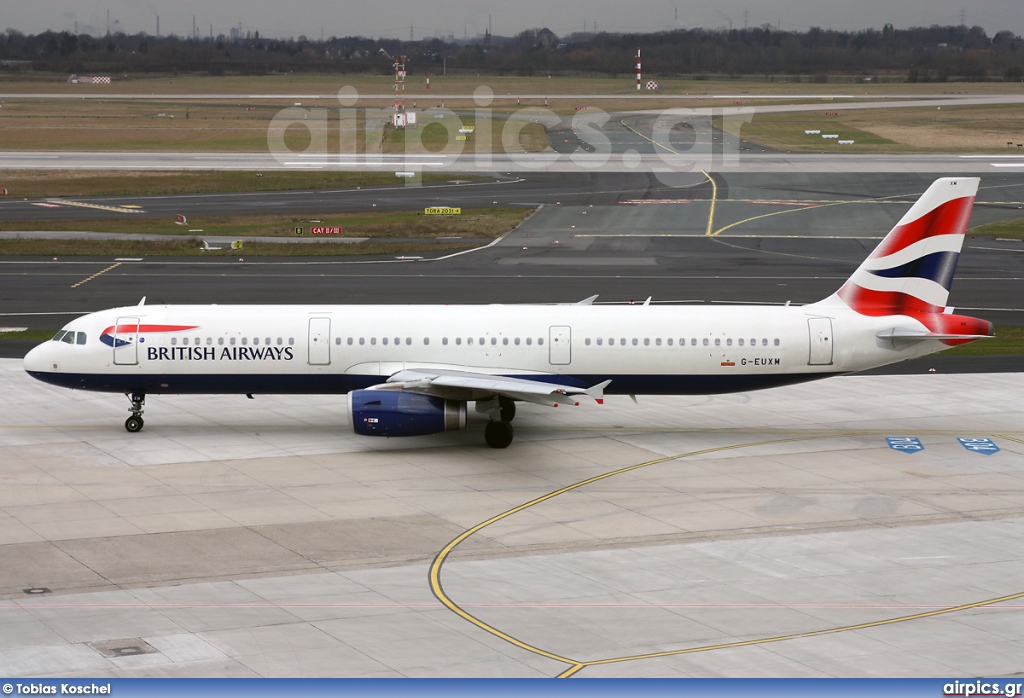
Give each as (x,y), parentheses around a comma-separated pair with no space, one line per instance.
(396,413)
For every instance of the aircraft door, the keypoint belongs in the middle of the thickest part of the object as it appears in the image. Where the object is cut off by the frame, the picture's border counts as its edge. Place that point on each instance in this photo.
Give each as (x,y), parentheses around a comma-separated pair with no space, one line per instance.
(560,345)
(820,332)
(126,341)
(319,341)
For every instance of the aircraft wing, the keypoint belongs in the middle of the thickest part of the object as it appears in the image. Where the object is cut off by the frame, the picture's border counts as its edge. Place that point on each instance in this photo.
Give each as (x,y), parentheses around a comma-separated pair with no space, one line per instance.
(466,385)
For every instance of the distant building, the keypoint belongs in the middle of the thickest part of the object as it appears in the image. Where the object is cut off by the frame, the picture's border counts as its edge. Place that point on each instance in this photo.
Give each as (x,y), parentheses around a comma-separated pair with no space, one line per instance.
(546,38)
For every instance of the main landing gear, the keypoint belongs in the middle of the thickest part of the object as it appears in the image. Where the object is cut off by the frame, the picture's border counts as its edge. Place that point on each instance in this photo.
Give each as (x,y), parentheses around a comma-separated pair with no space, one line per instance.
(498,432)
(135,423)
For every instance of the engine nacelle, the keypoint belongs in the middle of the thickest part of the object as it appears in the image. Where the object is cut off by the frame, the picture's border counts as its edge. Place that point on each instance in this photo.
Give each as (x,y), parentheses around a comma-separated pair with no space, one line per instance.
(395,413)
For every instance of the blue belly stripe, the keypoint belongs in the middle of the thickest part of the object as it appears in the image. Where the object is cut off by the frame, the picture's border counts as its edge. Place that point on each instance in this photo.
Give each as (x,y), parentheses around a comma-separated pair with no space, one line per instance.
(339,384)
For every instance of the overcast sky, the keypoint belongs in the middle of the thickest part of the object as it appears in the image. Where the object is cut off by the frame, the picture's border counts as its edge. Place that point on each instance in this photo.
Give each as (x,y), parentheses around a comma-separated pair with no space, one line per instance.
(292,18)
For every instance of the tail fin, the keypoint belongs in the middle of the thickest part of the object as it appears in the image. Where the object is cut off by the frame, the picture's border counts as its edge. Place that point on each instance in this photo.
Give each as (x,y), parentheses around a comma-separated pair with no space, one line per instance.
(911,270)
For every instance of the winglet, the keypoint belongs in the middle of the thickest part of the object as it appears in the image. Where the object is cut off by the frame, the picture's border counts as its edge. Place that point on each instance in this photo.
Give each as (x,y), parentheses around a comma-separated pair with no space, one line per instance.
(597,391)
(587,301)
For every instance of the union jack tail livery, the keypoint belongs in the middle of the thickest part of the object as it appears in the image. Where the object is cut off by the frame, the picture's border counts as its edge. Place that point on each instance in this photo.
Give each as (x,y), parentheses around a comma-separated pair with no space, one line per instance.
(911,271)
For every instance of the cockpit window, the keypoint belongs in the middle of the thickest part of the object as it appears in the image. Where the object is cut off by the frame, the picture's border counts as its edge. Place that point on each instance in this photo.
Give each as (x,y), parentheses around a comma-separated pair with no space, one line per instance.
(69,337)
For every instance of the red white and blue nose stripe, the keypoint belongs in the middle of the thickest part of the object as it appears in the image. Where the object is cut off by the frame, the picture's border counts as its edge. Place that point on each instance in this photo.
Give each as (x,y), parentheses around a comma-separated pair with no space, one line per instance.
(123,334)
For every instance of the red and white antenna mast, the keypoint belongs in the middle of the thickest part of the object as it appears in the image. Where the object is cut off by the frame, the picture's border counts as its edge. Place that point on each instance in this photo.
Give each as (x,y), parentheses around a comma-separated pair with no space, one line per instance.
(638,68)
(400,85)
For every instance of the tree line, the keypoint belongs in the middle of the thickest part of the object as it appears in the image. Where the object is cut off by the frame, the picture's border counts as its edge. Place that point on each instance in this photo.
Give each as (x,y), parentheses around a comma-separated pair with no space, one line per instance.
(922,54)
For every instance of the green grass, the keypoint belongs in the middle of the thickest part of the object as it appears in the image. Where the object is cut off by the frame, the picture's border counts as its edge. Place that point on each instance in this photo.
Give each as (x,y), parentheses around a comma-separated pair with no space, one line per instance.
(1008,341)
(390,233)
(190,248)
(63,183)
(27,336)
(433,135)
(1013,229)
(480,224)
(785,131)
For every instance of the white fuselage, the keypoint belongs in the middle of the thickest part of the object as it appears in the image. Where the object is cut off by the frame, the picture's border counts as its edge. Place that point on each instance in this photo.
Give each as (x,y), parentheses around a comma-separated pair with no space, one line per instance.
(643,349)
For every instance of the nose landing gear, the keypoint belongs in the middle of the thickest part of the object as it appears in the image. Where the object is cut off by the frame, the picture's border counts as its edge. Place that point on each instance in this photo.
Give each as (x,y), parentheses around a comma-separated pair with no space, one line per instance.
(135,422)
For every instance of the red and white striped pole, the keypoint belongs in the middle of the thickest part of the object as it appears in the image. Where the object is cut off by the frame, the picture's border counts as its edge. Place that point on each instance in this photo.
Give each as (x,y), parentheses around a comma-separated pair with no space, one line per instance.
(638,68)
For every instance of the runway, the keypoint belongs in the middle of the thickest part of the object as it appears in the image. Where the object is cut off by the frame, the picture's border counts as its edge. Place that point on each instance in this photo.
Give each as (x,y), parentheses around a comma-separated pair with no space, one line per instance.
(769,534)
(722,159)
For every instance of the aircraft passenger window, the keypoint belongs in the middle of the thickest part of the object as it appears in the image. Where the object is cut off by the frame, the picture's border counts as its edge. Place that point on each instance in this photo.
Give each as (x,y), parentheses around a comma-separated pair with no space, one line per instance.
(426,341)
(635,341)
(647,341)
(362,341)
(209,341)
(517,341)
(622,341)
(669,341)
(482,341)
(728,342)
(267,341)
(764,342)
(741,341)
(718,341)
(81,338)
(220,341)
(504,341)
(599,341)
(494,340)
(776,341)
(231,341)
(706,342)
(384,341)
(408,341)
(444,341)
(587,341)
(529,341)
(281,341)
(255,341)
(540,340)
(753,342)
(174,341)
(291,341)
(350,341)
(693,342)
(458,341)
(337,340)
(373,341)
(398,340)
(657,342)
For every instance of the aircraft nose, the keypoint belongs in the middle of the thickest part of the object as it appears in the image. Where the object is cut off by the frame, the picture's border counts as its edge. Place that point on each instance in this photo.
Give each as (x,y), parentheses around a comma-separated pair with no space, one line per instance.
(36,360)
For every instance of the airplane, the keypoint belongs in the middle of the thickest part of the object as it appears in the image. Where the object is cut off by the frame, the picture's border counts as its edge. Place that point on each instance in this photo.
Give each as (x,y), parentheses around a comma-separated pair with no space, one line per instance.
(412,370)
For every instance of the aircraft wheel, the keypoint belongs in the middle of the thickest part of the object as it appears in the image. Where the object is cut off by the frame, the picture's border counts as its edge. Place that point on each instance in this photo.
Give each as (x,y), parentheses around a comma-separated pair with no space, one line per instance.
(498,434)
(133,424)
(508,409)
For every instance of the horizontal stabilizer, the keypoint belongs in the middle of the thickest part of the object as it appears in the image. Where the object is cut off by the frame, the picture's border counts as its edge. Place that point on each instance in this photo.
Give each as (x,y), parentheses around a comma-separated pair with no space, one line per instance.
(912,334)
